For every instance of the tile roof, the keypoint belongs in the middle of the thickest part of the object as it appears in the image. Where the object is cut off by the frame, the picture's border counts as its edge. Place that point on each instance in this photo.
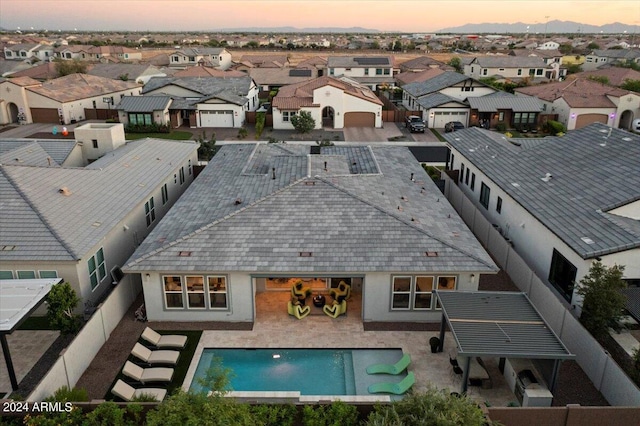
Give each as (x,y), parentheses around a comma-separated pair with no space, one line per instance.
(75,87)
(53,152)
(617,53)
(578,93)
(502,100)
(201,71)
(276,76)
(421,62)
(44,224)
(412,77)
(437,99)
(357,62)
(301,94)
(510,62)
(143,103)
(574,203)
(266,61)
(22,81)
(116,71)
(616,75)
(367,216)
(231,89)
(43,71)
(434,84)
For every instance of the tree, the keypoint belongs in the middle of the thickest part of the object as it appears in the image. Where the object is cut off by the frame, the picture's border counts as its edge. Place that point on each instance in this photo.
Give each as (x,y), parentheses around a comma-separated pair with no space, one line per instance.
(602,304)
(207,148)
(593,45)
(303,122)
(633,85)
(565,48)
(456,63)
(397,46)
(573,68)
(61,304)
(375,45)
(599,79)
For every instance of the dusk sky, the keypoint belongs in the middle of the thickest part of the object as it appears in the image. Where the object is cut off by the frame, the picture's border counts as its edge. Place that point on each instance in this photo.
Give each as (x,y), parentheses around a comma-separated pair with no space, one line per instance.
(384,15)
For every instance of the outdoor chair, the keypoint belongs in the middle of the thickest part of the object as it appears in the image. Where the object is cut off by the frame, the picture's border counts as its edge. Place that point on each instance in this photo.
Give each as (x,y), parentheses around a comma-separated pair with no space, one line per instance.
(335,309)
(394,369)
(342,292)
(148,356)
(129,393)
(394,388)
(297,310)
(164,341)
(145,375)
(299,291)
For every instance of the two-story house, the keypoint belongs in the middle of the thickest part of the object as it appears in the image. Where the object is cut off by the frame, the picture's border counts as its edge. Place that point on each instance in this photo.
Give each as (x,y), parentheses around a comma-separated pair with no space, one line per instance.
(597,58)
(512,68)
(215,57)
(371,71)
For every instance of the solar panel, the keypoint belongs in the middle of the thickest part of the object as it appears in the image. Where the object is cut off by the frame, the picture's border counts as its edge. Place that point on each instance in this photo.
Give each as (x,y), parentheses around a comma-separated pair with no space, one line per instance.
(372,61)
(299,73)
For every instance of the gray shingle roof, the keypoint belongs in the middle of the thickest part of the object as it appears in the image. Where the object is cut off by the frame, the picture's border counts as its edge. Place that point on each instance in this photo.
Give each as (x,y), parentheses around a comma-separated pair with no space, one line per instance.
(439,82)
(351,217)
(143,103)
(491,103)
(35,152)
(52,226)
(587,180)
(359,62)
(510,61)
(436,99)
(231,89)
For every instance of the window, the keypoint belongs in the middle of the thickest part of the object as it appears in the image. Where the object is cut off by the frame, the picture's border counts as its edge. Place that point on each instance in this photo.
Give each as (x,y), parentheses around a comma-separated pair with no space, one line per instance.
(175,178)
(387,71)
(562,274)
(461,172)
(484,71)
(446,283)
(97,269)
(499,205)
(519,71)
(140,119)
(473,181)
(95,105)
(366,71)
(452,160)
(150,211)
(189,168)
(466,177)
(95,143)
(48,274)
(378,71)
(331,71)
(26,275)
(501,116)
(165,194)
(181,175)
(217,292)
(401,293)
(195,292)
(485,193)
(532,71)
(422,299)
(286,115)
(6,275)
(539,71)
(173,292)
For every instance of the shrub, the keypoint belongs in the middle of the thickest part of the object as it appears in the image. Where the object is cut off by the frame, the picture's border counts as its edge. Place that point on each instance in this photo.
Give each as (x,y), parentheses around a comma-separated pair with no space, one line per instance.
(501,126)
(336,413)
(242,133)
(62,301)
(555,127)
(261,117)
(64,394)
(107,413)
(303,122)
(274,414)
(207,148)
(147,128)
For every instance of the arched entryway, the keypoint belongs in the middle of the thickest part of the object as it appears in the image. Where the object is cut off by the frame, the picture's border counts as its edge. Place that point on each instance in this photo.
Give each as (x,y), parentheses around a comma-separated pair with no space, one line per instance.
(327,116)
(626,119)
(13,112)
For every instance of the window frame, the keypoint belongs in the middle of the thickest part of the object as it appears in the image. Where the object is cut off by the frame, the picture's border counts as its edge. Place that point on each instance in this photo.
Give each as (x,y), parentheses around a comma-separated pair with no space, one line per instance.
(99,269)
(150,212)
(499,205)
(173,292)
(9,271)
(567,292)
(194,292)
(40,274)
(215,291)
(165,194)
(25,278)
(413,291)
(395,292)
(473,181)
(485,195)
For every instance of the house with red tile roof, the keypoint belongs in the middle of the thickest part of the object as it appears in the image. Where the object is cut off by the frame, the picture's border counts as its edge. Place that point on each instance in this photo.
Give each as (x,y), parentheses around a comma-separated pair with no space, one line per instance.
(332,102)
(581,101)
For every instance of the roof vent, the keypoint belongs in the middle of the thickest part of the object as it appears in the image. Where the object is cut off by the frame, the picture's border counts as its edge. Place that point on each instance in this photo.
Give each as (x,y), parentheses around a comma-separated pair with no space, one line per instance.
(517,185)
(305,254)
(547,177)
(96,224)
(8,248)
(64,191)
(184,254)
(431,253)
(238,201)
(587,240)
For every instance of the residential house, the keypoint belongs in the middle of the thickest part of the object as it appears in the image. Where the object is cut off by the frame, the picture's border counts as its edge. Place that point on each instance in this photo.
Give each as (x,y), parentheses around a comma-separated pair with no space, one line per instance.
(206,101)
(139,73)
(552,57)
(98,53)
(598,58)
(28,51)
(41,72)
(317,64)
(519,112)
(417,76)
(82,223)
(74,51)
(261,216)
(580,102)
(203,71)
(549,45)
(614,76)
(144,110)
(533,68)
(423,63)
(216,57)
(63,100)
(368,70)
(248,62)
(274,78)
(332,102)
(443,97)
(548,197)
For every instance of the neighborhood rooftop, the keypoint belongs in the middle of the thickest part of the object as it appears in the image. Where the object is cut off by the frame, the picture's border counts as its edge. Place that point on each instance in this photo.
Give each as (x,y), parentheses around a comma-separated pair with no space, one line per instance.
(231,89)
(256,207)
(41,152)
(591,171)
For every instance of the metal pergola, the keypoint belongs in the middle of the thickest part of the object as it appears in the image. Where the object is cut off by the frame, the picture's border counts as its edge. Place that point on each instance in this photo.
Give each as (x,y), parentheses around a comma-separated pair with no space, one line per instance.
(18,300)
(498,324)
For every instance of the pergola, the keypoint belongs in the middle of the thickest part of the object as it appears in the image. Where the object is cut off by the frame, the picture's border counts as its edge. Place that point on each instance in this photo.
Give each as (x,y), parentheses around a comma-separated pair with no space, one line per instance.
(18,300)
(498,324)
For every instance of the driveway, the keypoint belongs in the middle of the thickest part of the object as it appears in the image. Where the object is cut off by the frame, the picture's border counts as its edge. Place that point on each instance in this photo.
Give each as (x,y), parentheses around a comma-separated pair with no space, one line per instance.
(371,134)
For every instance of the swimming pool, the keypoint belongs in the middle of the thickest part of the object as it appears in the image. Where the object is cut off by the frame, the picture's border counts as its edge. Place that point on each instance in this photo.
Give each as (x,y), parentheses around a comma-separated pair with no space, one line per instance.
(308,371)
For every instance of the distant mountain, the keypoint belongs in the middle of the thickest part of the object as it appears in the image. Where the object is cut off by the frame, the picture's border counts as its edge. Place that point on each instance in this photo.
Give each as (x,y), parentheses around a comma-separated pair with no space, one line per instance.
(551,27)
(281,30)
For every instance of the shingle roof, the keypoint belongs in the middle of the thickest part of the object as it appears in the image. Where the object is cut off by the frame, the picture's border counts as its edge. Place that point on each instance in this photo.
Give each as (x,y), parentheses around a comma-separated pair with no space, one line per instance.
(573,204)
(616,75)
(44,224)
(439,82)
(143,103)
(237,217)
(501,100)
(231,89)
(421,62)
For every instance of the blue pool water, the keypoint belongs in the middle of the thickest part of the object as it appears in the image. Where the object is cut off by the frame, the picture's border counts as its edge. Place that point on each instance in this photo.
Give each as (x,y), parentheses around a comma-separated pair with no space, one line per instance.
(309,371)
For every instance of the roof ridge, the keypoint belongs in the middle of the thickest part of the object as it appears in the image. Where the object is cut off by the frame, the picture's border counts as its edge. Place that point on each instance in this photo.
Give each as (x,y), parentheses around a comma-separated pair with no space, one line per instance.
(404,221)
(214,223)
(26,199)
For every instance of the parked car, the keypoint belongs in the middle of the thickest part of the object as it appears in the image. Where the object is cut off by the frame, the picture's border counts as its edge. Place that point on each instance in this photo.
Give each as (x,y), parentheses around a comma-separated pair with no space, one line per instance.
(264,107)
(415,124)
(452,126)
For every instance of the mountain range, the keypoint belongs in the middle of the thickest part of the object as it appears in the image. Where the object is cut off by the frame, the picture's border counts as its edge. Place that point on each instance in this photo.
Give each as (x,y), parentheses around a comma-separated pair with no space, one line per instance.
(283,30)
(551,27)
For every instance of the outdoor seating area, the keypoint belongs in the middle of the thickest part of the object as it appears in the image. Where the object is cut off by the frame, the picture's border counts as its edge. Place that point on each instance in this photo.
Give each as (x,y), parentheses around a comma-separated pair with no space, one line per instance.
(297,307)
(395,388)
(129,393)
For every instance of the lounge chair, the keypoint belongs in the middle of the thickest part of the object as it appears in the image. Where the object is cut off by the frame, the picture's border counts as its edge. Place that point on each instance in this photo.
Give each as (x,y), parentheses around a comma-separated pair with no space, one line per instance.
(394,388)
(299,291)
(335,309)
(145,375)
(394,369)
(297,310)
(155,357)
(128,393)
(342,292)
(164,341)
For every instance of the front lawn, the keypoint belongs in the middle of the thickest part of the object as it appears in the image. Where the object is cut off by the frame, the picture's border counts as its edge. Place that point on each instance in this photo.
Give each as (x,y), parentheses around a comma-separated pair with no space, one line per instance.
(175,135)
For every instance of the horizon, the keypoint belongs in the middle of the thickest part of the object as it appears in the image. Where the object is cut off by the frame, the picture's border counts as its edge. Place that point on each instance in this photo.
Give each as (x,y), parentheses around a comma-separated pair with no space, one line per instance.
(162,15)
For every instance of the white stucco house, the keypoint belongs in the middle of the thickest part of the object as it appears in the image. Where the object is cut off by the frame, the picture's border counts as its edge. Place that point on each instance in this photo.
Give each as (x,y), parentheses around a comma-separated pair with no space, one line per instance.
(28,51)
(549,45)
(563,202)
(513,68)
(581,101)
(215,57)
(371,71)
(332,102)
(262,215)
(80,222)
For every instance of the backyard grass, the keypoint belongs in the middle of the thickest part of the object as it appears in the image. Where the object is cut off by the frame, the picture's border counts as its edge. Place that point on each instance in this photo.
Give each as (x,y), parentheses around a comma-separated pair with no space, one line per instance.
(175,135)
(186,355)
(36,323)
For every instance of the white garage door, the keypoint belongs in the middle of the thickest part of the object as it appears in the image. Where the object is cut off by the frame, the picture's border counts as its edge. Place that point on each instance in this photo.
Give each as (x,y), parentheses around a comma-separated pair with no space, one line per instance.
(443,117)
(216,118)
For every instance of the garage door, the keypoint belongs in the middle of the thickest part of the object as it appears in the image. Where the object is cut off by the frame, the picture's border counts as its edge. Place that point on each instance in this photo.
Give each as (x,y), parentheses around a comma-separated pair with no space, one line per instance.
(359,119)
(216,118)
(443,117)
(45,115)
(586,119)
